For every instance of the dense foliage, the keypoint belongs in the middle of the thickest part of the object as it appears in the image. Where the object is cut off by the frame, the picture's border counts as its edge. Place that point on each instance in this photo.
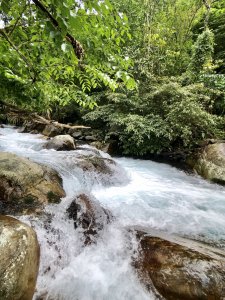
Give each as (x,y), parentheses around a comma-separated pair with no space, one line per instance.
(166,117)
(168,113)
(61,50)
(91,53)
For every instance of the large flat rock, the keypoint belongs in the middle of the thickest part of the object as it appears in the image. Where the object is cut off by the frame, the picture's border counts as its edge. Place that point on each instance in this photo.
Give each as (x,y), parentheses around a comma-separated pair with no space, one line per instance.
(179,268)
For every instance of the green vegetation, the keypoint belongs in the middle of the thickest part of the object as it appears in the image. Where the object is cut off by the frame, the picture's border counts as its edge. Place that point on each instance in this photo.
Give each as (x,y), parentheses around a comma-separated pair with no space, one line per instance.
(58,51)
(149,74)
(166,117)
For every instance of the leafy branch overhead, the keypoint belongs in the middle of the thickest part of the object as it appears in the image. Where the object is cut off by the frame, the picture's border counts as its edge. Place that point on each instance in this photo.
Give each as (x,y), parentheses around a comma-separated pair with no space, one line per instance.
(64,48)
(78,49)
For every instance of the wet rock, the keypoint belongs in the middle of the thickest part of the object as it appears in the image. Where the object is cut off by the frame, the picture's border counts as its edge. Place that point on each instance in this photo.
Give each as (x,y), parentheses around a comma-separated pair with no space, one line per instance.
(90,138)
(61,143)
(181,270)
(96,163)
(210,162)
(76,134)
(32,127)
(98,168)
(19,252)
(25,186)
(51,130)
(110,147)
(89,215)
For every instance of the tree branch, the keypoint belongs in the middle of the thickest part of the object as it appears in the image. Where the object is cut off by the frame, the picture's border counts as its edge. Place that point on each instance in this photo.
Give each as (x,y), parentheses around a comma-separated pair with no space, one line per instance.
(34,117)
(14,26)
(77,47)
(208,7)
(28,64)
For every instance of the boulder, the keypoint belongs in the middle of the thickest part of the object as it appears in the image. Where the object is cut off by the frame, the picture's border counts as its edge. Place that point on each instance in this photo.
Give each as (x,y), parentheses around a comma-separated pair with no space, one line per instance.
(90,138)
(96,163)
(105,171)
(88,215)
(110,147)
(32,127)
(51,130)
(25,186)
(61,143)
(181,269)
(210,162)
(19,252)
(76,134)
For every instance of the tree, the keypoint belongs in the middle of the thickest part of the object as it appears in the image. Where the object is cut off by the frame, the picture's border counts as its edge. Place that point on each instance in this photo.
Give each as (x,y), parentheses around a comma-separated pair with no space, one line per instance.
(161,33)
(201,60)
(61,50)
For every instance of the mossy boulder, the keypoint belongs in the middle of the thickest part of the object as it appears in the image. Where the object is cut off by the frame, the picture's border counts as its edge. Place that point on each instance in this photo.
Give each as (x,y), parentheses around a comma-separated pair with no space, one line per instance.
(210,162)
(26,186)
(19,252)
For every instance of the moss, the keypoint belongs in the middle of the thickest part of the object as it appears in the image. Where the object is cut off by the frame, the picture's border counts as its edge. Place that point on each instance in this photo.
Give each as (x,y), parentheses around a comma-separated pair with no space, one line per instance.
(53,198)
(19,205)
(29,199)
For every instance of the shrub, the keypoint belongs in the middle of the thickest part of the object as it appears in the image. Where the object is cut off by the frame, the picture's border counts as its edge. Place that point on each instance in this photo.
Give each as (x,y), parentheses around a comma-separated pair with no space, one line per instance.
(167,118)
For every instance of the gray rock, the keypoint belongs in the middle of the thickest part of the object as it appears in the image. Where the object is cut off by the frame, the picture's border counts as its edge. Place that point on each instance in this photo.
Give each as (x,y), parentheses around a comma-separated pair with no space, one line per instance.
(51,130)
(110,147)
(90,138)
(19,252)
(61,143)
(74,132)
(77,134)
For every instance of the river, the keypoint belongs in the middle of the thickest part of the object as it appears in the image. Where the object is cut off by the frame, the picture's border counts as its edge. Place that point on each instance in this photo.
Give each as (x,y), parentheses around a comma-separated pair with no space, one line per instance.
(142,193)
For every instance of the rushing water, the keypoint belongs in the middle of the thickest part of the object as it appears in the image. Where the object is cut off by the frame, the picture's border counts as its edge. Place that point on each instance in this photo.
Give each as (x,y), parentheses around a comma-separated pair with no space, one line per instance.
(141,193)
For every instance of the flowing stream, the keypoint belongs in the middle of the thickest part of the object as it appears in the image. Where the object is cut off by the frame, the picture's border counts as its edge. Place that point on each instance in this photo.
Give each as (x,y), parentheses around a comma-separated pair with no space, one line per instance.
(141,193)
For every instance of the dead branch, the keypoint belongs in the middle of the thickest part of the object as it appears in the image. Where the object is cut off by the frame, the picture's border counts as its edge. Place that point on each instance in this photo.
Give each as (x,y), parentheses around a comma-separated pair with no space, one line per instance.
(11,109)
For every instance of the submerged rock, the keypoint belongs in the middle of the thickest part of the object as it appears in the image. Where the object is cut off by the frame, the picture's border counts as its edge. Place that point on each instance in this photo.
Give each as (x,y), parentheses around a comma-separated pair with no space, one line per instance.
(96,163)
(61,143)
(100,170)
(89,215)
(25,186)
(210,162)
(19,252)
(181,270)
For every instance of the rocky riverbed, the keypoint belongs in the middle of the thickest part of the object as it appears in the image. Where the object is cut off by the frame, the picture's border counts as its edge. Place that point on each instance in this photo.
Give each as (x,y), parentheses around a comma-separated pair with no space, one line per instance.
(124,229)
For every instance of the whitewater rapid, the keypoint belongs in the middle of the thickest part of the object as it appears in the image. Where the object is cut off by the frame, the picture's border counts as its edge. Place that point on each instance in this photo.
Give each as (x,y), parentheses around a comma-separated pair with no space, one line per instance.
(141,193)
